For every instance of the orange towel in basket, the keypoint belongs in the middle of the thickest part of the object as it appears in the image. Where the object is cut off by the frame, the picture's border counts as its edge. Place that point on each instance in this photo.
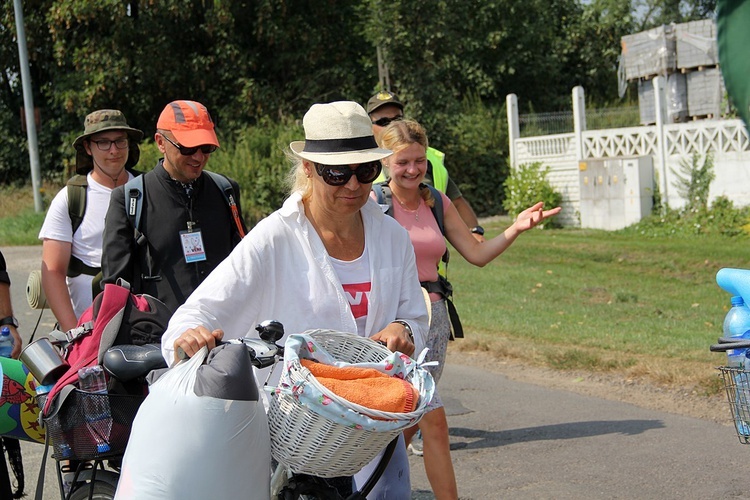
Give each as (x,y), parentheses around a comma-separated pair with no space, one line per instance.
(366,387)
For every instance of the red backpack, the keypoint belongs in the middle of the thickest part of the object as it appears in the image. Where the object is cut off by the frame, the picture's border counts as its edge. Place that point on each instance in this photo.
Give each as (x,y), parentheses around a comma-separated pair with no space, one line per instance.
(116,317)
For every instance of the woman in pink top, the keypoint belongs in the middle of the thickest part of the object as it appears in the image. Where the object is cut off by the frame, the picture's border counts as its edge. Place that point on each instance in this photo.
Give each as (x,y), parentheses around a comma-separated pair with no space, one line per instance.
(411,208)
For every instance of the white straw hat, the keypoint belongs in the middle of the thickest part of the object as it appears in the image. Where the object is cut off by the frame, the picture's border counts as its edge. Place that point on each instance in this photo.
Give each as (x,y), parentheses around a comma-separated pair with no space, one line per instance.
(338,133)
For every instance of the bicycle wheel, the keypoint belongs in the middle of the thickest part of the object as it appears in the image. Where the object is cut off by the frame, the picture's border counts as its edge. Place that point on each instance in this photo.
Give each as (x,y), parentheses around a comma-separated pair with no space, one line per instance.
(102,491)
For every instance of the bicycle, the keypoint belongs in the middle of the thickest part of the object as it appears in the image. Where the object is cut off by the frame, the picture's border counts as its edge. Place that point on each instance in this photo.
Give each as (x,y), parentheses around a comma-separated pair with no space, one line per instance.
(736,386)
(95,475)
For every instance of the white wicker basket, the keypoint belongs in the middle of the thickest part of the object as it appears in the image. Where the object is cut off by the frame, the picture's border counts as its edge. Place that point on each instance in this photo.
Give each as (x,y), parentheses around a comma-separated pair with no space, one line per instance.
(308,443)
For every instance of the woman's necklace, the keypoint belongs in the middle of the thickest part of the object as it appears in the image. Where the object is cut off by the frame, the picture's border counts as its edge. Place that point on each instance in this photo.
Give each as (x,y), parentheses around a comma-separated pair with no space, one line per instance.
(407,209)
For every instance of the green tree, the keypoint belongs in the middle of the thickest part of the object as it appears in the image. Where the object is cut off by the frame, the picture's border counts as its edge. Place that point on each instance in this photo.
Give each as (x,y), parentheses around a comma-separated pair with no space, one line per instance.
(591,49)
(651,13)
(14,156)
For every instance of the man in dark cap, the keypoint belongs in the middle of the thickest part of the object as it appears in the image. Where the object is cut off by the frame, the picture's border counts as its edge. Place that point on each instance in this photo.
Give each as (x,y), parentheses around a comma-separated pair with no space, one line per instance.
(72,231)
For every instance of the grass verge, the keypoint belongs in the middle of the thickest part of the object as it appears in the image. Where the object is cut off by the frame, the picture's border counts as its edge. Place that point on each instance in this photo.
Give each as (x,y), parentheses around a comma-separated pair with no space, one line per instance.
(573,299)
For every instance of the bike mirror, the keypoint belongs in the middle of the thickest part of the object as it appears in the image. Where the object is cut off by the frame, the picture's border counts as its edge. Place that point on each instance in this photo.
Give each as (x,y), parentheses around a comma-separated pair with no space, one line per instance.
(270,330)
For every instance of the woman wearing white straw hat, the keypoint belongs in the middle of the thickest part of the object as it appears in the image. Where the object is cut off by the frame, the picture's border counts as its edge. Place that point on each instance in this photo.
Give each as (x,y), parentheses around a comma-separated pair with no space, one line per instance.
(329,258)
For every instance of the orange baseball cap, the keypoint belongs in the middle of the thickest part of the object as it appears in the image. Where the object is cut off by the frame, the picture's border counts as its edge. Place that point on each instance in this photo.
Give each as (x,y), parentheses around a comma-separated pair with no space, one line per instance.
(189,122)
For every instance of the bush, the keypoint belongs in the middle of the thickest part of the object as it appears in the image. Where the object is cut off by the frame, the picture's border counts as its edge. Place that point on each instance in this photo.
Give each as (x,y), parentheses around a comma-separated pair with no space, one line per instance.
(694,180)
(476,152)
(528,185)
(255,158)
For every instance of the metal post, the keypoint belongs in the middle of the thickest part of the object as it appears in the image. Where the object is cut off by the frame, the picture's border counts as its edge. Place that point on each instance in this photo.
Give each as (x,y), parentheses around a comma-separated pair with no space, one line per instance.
(661,117)
(514,129)
(28,104)
(579,119)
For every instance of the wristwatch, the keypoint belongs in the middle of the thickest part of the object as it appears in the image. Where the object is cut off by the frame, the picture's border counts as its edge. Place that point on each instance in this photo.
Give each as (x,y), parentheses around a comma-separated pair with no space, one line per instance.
(407,327)
(478,230)
(9,320)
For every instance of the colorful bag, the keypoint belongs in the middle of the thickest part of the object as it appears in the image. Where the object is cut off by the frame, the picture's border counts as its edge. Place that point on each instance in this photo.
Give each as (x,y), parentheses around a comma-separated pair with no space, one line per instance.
(116,317)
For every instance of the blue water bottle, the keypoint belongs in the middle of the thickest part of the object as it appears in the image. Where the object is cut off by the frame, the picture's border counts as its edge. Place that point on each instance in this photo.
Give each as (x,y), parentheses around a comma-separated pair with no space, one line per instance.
(737,325)
(92,380)
(6,342)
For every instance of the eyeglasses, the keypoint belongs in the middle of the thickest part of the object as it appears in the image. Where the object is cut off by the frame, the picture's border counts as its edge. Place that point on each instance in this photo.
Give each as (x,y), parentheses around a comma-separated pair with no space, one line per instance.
(105,144)
(338,175)
(385,121)
(206,149)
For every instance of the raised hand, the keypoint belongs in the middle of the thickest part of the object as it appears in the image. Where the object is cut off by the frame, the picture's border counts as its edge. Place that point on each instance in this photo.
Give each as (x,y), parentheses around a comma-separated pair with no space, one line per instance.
(533,215)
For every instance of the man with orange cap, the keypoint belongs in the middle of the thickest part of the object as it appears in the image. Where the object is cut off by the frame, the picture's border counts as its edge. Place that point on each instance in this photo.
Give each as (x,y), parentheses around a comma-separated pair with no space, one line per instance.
(186,226)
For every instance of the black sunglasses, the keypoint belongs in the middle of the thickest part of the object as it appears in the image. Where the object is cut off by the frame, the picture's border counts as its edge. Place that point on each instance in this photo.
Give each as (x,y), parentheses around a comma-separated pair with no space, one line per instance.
(206,149)
(338,175)
(385,121)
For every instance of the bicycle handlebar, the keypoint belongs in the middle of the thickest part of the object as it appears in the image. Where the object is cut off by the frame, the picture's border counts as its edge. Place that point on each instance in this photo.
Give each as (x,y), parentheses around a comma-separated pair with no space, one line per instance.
(728,343)
(263,351)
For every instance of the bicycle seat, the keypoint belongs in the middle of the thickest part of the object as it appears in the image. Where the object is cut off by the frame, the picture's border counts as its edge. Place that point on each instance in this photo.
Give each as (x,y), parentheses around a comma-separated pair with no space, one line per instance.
(128,362)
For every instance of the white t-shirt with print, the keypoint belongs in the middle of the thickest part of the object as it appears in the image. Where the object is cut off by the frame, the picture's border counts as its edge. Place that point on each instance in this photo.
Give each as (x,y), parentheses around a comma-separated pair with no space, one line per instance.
(355,280)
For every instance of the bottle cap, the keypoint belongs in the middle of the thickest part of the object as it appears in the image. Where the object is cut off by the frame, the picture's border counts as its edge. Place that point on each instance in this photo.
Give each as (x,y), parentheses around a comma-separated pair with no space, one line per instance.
(737,300)
(43,389)
(64,449)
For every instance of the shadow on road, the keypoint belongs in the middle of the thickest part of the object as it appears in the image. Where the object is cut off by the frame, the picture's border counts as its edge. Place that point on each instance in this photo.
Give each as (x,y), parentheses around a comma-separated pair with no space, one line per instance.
(477,439)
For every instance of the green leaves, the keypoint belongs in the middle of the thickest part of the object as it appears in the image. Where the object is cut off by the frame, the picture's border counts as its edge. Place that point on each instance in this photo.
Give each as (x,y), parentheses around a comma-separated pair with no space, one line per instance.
(527,185)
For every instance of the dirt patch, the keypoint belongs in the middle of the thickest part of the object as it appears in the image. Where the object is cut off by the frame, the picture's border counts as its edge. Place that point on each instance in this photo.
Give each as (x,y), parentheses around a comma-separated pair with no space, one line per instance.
(607,386)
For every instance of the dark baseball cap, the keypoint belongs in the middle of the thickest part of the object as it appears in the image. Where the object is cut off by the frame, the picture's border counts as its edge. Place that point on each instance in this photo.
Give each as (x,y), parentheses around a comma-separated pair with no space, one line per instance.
(381,99)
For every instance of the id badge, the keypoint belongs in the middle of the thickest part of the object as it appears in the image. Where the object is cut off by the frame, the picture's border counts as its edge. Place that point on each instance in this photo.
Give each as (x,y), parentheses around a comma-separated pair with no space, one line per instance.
(192,246)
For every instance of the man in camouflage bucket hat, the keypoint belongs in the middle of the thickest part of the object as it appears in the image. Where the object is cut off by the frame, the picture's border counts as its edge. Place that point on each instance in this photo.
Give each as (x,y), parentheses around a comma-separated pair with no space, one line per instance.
(101,121)
(72,245)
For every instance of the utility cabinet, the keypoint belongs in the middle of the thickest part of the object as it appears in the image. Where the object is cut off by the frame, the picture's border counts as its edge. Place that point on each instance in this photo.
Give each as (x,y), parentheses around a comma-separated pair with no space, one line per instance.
(615,192)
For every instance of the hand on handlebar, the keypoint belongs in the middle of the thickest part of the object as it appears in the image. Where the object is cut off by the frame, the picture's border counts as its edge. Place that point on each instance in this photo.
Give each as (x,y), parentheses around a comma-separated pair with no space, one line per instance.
(192,340)
(395,338)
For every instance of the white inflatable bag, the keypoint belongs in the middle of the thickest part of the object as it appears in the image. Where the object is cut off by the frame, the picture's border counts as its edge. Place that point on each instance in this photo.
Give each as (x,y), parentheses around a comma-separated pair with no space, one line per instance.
(184,446)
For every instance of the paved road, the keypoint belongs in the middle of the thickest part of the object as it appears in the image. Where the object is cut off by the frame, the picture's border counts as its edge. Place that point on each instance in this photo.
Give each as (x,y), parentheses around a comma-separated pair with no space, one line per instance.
(514,440)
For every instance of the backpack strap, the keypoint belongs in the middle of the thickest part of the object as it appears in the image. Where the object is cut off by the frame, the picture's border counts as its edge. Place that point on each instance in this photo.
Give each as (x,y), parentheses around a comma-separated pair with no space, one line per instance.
(384,196)
(134,205)
(228,191)
(76,187)
(437,207)
(439,214)
(134,194)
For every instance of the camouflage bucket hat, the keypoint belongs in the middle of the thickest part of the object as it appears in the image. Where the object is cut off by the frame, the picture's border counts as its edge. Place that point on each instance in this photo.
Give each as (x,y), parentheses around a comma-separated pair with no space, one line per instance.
(101,121)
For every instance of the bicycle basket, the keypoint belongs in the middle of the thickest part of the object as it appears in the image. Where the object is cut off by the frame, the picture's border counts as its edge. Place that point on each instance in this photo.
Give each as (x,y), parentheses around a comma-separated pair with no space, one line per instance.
(737,387)
(308,441)
(75,435)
